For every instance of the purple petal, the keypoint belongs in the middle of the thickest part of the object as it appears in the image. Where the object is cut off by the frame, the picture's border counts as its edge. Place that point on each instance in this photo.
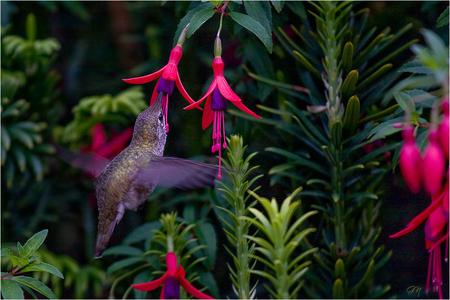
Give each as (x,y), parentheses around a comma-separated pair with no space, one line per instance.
(171,289)
(218,101)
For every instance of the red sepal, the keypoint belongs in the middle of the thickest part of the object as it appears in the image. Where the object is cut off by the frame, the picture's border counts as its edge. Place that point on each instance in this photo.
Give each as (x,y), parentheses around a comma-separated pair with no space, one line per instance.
(188,287)
(145,78)
(226,90)
(207,116)
(151,285)
(245,109)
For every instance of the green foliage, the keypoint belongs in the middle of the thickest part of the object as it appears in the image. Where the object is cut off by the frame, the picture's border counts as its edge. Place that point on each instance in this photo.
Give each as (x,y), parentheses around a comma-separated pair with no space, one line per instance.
(24,259)
(121,109)
(81,280)
(169,234)
(26,78)
(277,245)
(348,70)
(234,191)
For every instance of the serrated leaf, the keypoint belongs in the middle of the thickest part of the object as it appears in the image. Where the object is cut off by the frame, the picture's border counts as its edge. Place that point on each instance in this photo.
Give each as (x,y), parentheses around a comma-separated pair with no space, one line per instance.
(11,289)
(35,285)
(198,19)
(255,27)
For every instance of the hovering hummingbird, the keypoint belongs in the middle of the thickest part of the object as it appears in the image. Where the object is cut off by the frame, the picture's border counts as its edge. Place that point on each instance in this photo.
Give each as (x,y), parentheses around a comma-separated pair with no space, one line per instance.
(126,181)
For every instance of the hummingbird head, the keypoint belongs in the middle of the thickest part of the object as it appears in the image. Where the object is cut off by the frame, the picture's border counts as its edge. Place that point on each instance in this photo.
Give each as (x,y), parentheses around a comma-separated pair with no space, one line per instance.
(149,128)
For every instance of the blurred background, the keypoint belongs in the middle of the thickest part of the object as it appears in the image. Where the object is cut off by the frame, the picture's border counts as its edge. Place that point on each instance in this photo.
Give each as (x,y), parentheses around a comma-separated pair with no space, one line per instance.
(84,50)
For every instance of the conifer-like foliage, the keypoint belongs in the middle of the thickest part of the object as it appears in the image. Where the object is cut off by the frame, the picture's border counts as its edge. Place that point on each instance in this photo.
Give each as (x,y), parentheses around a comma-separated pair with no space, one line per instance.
(348,70)
(277,247)
(236,207)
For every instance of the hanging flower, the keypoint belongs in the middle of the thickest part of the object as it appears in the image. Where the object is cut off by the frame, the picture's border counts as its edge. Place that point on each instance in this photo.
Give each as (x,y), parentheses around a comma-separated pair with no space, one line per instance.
(216,97)
(433,164)
(410,160)
(436,230)
(170,282)
(168,78)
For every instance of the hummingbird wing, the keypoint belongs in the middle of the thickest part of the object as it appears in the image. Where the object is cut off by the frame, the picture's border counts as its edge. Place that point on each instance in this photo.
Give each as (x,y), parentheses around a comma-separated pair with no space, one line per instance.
(177,172)
(89,162)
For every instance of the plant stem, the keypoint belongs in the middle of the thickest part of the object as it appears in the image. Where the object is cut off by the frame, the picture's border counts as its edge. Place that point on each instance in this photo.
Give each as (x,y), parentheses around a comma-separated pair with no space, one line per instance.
(333,85)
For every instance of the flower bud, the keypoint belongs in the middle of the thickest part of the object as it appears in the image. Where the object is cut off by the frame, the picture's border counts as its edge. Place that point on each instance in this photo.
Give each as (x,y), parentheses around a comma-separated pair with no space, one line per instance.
(444,128)
(433,164)
(410,160)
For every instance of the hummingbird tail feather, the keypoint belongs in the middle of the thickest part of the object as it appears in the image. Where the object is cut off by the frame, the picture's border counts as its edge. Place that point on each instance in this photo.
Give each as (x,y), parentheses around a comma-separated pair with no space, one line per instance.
(106,229)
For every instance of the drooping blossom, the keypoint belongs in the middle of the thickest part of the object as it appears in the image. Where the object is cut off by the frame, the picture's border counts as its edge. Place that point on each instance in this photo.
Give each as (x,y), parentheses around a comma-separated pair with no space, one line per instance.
(170,281)
(436,230)
(168,76)
(410,160)
(216,98)
(433,166)
(444,127)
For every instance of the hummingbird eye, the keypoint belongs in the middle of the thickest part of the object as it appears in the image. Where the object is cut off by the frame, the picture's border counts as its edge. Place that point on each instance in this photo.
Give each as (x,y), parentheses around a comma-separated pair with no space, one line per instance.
(160,118)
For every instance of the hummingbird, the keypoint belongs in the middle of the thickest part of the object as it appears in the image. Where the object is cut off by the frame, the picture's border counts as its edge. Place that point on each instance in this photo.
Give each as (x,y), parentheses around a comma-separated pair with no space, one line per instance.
(125,182)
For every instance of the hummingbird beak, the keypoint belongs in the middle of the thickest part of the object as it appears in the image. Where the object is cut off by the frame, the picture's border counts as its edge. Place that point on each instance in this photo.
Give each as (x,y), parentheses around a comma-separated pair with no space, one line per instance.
(157,105)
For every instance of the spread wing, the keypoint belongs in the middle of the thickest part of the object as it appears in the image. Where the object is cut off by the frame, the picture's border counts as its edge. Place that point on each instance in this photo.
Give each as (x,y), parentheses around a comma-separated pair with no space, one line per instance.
(177,172)
(89,162)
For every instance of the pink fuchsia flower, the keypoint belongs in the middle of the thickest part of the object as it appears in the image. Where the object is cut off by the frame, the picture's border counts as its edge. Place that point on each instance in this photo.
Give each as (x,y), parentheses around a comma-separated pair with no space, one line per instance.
(100,145)
(433,164)
(216,98)
(436,232)
(170,282)
(168,76)
(444,127)
(410,160)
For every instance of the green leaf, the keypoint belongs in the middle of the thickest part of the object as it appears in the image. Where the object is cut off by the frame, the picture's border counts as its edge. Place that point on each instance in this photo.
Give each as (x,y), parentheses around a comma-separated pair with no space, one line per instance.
(35,285)
(198,19)
(123,250)
(207,235)
(351,115)
(33,243)
(123,264)
(11,290)
(442,19)
(260,11)
(350,82)
(338,289)
(187,18)
(43,267)
(255,27)
(347,56)
(278,5)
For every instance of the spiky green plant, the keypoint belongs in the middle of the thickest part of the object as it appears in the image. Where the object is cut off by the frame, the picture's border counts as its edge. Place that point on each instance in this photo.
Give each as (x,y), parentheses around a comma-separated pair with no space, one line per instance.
(237,203)
(343,61)
(278,244)
(169,234)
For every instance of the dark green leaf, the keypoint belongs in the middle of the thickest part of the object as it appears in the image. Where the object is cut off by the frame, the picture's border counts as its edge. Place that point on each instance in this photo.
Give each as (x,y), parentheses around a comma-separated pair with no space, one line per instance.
(278,5)
(11,290)
(255,27)
(35,285)
(123,264)
(123,250)
(260,11)
(187,18)
(198,19)
(44,267)
(442,19)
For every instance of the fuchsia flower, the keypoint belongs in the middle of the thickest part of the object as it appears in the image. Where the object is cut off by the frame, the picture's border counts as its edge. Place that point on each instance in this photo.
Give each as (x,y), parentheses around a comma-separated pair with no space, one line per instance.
(410,160)
(436,232)
(216,97)
(444,127)
(168,78)
(171,281)
(108,149)
(433,164)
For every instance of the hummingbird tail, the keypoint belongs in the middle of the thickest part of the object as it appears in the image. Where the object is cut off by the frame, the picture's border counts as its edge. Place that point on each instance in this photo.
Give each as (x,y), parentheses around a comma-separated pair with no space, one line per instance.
(105,230)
